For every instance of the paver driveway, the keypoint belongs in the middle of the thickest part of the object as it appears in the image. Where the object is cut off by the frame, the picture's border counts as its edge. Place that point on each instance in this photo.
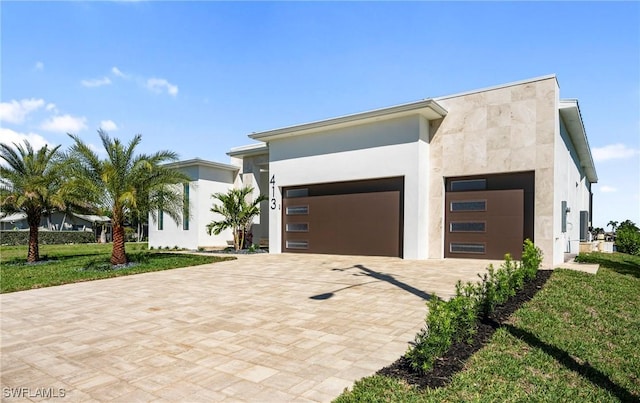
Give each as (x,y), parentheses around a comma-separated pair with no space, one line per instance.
(261,328)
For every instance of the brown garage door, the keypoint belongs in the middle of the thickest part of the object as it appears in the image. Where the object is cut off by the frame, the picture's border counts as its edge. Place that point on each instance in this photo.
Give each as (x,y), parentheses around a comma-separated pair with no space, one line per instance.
(347,218)
(484,224)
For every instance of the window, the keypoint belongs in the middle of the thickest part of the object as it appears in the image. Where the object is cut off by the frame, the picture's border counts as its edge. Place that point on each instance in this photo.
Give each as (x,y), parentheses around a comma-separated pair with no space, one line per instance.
(297,210)
(304,192)
(185,207)
(160,220)
(467,248)
(473,205)
(468,227)
(468,184)
(298,227)
(297,244)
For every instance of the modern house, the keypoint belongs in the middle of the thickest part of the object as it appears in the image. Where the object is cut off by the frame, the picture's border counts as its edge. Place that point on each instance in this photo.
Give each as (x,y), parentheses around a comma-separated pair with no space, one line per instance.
(469,175)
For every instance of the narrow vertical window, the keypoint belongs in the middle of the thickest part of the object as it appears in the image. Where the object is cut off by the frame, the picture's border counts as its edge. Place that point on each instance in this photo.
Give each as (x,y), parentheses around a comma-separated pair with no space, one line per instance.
(185,207)
(160,220)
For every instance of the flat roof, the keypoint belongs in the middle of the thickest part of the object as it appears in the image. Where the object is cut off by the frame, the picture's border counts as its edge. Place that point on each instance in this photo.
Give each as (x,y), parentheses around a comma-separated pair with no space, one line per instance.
(497,87)
(572,118)
(201,162)
(427,108)
(250,149)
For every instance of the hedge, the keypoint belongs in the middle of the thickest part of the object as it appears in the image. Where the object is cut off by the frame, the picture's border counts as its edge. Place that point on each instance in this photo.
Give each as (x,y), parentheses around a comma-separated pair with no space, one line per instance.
(456,319)
(47,237)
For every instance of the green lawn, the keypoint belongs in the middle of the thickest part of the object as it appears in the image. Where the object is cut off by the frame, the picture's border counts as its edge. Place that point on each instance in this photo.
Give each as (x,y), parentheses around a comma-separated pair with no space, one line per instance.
(577,340)
(64,264)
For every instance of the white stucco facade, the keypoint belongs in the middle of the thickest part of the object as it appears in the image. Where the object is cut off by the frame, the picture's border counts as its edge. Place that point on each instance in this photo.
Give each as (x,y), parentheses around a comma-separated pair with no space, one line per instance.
(396,147)
(521,128)
(207,178)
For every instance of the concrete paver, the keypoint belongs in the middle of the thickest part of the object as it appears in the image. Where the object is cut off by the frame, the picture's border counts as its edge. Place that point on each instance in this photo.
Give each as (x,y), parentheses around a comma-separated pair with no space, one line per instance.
(291,327)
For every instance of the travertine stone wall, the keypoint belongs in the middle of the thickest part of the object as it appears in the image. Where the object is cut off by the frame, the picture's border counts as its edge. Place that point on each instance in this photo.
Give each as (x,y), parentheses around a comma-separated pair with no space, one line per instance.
(507,129)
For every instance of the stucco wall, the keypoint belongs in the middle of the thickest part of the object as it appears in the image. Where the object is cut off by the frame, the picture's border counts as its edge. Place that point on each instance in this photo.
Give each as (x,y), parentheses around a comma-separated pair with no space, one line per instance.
(497,131)
(395,147)
(255,173)
(207,180)
(572,187)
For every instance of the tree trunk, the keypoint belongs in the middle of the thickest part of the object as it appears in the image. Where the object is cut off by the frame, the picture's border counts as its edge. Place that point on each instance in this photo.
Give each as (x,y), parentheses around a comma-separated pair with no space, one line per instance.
(236,238)
(34,253)
(118,255)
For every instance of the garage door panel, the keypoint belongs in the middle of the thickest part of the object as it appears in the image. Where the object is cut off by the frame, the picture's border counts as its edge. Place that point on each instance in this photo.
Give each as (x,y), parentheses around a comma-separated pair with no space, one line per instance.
(354,224)
(502,226)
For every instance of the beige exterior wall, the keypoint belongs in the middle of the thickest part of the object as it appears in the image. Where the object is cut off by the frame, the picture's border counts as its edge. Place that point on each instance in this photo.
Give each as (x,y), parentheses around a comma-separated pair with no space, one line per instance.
(507,129)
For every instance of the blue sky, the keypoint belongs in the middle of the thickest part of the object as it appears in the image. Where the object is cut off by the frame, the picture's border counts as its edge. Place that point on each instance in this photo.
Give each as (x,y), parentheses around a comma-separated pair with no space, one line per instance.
(198,77)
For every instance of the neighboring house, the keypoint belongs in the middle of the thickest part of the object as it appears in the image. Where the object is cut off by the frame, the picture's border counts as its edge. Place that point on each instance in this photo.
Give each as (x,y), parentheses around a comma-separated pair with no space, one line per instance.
(469,175)
(60,221)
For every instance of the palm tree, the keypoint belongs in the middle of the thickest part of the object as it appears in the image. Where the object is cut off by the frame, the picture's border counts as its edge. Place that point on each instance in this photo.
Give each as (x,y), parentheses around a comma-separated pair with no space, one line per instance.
(613,225)
(236,213)
(32,182)
(124,182)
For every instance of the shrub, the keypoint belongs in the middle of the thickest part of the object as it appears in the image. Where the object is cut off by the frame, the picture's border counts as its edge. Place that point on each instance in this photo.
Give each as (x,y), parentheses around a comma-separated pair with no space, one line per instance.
(531,259)
(47,237)
(456,320)
(628,241)
(436,338)
(466,306)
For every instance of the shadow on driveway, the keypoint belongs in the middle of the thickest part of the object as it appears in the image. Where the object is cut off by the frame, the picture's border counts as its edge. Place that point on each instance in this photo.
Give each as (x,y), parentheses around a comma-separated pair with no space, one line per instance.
(365,271)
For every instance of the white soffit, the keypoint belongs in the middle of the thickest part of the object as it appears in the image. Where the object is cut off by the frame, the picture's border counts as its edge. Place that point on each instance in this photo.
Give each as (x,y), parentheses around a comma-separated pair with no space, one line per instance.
(249,150)
(570,114)
(428,108)
(201,162)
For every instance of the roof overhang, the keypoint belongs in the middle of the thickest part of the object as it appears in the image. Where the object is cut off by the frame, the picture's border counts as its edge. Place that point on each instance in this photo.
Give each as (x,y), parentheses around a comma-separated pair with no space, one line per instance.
(249,150)
(5,217)
(570,114)
(92,218)
(428,108)
(201,162)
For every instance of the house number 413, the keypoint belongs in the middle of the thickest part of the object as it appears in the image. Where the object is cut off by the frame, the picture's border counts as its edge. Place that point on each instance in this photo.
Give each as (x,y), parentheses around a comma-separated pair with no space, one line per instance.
(272,202)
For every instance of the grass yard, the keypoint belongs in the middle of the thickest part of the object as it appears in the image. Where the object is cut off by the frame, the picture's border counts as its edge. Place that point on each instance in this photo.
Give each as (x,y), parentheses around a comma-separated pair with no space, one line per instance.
(64,264)
(577,340)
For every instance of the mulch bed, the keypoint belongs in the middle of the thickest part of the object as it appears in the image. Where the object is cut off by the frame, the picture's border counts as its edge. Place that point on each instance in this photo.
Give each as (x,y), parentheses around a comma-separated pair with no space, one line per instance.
(453,361)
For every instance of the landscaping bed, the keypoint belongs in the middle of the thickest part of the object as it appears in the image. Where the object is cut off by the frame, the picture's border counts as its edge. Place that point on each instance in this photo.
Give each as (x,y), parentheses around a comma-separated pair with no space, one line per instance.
(575,340)
(455,358)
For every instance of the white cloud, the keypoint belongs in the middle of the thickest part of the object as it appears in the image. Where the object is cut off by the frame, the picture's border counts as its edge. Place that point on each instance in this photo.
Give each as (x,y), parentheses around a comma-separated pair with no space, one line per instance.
(64,124)
(10,137)
(117,72)
(608,189)
(39,66)
(158,85)
(613,152)
(51,107)
(108,125)
(96,82)
(17,111)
